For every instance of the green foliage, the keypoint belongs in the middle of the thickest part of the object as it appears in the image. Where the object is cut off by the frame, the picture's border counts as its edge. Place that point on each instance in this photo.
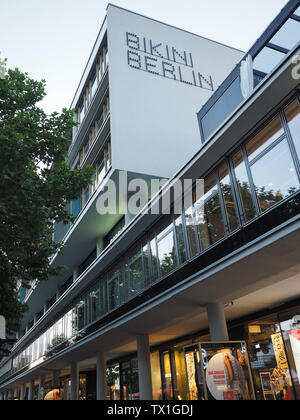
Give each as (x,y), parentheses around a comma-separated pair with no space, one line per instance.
(36,183)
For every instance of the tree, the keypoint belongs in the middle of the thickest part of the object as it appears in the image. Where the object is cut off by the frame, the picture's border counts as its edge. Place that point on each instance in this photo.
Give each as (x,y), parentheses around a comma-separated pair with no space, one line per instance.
(36,184)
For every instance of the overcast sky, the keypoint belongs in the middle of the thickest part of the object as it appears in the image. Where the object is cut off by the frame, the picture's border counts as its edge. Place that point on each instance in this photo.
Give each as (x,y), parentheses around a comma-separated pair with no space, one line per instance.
(52,39)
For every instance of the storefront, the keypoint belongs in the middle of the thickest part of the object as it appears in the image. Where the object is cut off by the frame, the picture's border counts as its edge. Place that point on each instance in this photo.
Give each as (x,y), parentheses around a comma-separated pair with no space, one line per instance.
(261,362)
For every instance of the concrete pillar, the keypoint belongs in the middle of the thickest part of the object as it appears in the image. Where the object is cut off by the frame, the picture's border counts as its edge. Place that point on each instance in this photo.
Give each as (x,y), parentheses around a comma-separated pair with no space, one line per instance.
(30,390)
(16,392)
(74,381)
(217,322)
(145,381)
(100,245)
(56,379)
(101,376)
(22,392)
(41,388)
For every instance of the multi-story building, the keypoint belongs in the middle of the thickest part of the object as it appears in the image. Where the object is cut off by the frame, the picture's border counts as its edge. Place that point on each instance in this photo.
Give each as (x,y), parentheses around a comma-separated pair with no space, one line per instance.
(199,304)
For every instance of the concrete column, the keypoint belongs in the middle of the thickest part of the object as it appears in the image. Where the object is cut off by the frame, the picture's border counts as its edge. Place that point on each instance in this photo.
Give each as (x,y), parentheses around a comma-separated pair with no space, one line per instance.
(145,381)
(101,376)
(56,379)
(30,390)
(22,392)
(217,322)
(74,381)
(16,392)
(100,245)
(41,388)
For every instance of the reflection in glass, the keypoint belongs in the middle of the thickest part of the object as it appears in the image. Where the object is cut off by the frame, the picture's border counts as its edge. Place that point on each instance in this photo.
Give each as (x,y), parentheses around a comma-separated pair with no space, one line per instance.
(113,293)
(167,253)
(135,274)
(167,385)
(243,185)
(228,197)
(191,228)
(272,184)
(95,304)
(288,35)
(180,239)
(264,138)
(292,113)
(211,226)
(267,59)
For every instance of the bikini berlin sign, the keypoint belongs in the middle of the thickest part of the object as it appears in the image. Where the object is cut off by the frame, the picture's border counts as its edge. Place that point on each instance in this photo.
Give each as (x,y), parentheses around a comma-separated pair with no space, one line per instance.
(161,59)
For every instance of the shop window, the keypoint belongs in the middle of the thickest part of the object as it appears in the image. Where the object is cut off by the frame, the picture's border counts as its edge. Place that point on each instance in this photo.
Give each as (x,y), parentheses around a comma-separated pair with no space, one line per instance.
(166,373)
(156,376)
(273,185)
(228,198)
(211,226)
(290,327)
(243,185)
(113,382)
(130,380)
(292,114)
(268,359)
(264,138)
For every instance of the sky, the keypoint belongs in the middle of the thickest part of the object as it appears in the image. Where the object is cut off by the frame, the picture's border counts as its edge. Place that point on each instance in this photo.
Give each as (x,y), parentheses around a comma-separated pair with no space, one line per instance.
(52,39)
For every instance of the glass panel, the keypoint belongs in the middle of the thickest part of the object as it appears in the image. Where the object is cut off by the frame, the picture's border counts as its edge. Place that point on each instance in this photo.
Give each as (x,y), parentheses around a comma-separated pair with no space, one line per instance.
(288,35)
(81,114)
(113,293)
(95,304)
(156,376)
(211,226)
(113,382)
(101,172)
(292,113)
(154,260)
(264,138)
(180,239)
(191,228)
(136,277)
(228,197)
(80,315)
(76,207)
(271,184)
(243,185)
(167,253)
(267,59)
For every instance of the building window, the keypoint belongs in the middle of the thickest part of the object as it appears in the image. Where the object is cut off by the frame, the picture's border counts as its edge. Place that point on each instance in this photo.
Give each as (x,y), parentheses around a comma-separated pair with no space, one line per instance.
(114,232)
(167,254)
(272,185)
(113,293)
(135,274)
(292,114)
(228,197)
(243,185)
(211,226)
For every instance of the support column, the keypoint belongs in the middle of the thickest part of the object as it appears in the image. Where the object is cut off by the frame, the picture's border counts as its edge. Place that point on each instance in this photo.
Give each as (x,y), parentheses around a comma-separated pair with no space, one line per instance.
(30,390)
(217,322)
(22,392)
(74,381)
(101,376)
(41,388)
(145,380)
(16,392)
(56,379)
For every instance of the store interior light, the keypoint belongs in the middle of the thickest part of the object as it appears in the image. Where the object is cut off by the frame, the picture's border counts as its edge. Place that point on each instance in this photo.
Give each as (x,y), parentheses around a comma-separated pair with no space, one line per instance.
(254,329)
